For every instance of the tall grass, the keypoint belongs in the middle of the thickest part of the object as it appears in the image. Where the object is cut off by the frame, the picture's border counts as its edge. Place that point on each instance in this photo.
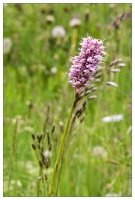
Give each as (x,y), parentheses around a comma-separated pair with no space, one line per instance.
(30,86)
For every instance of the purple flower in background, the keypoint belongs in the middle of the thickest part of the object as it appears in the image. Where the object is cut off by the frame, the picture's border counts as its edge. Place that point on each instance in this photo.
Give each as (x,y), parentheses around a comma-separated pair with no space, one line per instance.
(86,64)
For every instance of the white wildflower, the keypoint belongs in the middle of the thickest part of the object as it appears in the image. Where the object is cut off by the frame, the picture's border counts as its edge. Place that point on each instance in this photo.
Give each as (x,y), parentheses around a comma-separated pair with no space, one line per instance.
(50,18)
(113,118)
(99,151)
(54,70)
(75,22)
(7,44)
(58,31)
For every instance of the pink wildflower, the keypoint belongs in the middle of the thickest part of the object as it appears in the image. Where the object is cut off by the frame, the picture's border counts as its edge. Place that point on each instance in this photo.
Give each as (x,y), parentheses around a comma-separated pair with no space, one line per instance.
(86,64)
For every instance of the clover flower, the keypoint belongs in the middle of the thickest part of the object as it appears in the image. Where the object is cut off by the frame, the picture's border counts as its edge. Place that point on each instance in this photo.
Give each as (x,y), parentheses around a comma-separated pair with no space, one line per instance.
(58,31)
(86,64)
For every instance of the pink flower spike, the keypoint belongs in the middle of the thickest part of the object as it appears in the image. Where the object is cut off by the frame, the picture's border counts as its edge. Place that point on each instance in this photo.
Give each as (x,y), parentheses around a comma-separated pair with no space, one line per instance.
(86,64)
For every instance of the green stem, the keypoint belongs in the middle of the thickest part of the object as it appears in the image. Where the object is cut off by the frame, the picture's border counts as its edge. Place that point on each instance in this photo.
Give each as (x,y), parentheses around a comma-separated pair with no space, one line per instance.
(38,182)
(74,39)
(13,156)
(58,41)
(60,151)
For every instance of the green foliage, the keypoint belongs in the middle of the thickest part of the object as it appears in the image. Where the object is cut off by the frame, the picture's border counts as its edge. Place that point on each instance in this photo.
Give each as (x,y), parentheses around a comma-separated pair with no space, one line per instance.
(30,85)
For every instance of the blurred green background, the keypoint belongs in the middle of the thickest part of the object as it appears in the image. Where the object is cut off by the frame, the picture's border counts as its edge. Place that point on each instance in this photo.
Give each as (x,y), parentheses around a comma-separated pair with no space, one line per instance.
(36,75)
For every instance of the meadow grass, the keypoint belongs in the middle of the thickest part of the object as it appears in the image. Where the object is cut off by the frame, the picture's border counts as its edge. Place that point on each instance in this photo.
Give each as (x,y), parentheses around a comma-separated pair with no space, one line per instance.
(30,86)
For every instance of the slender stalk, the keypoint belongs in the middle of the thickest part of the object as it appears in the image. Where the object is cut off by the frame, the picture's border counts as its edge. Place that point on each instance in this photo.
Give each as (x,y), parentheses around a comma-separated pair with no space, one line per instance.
(60,151)
(43,181)
(58,41)
(38,182)
(13,156)
(62,159)
(47,184)
(57,187)
(74,37)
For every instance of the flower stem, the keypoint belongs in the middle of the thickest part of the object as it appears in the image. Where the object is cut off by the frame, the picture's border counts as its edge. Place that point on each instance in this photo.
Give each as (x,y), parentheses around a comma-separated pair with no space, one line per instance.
(74,37)
(58,159)
(38,183)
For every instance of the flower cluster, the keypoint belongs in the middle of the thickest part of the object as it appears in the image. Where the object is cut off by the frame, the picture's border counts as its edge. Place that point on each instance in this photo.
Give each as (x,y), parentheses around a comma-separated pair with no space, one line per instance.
(86,64)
